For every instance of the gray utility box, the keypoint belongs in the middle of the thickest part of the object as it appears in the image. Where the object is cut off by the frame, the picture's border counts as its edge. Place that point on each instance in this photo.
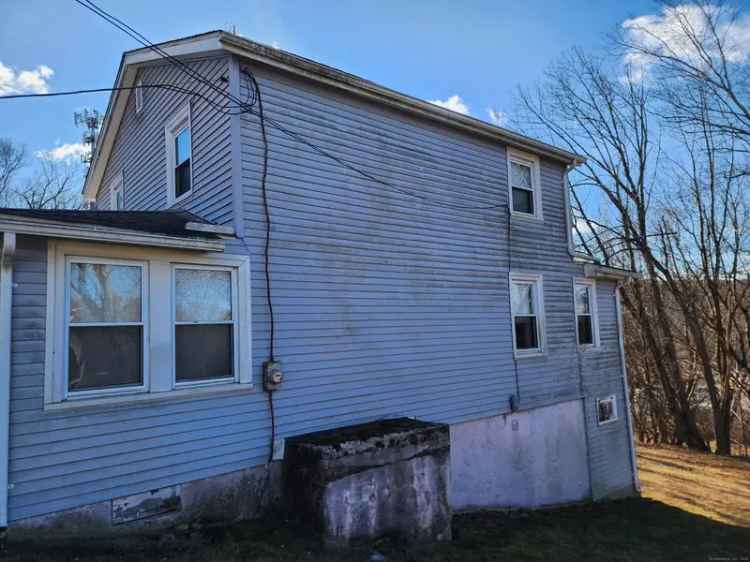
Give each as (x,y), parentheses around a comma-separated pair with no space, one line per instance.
(388,477)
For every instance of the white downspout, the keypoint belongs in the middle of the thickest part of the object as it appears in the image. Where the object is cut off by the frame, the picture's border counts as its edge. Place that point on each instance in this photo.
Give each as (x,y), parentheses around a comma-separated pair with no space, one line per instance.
(6,297)
(626,388)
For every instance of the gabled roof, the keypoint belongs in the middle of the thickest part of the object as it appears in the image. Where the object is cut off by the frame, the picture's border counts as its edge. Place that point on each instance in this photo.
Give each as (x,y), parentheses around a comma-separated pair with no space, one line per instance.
(221,41)
(177,228)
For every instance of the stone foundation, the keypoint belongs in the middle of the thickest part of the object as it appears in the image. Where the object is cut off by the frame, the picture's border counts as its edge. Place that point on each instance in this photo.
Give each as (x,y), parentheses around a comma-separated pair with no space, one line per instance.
(244,494)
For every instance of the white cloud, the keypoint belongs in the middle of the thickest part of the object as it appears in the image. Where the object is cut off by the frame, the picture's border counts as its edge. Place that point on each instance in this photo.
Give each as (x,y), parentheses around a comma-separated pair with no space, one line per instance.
(25,81)
(497,117)
(276,45)
(454,103)
(668,33)
(67,151)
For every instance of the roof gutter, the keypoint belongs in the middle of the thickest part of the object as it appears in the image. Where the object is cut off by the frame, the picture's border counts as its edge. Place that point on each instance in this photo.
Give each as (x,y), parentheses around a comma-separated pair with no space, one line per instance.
(609,273)
(94,233)
(6,304)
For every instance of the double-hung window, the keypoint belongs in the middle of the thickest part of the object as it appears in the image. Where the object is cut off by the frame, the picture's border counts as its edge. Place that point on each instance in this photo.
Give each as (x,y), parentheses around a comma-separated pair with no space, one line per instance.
(106,328)
(523,174)
(527,311)
(138,96)
(179,156)
(587,329)
(116,194)
(130,323)
(205,324)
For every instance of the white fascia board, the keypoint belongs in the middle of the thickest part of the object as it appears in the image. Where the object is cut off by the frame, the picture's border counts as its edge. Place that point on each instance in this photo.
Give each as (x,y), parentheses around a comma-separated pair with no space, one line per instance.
(119,99)
(94,233)
(7,251)
(595,271)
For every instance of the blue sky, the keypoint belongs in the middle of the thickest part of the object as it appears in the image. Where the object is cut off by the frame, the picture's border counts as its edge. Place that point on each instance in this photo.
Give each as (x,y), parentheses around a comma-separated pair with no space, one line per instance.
(433,50)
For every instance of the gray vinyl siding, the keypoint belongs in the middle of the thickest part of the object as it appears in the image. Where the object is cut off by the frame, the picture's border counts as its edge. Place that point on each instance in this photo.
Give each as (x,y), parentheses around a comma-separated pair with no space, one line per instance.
(385,304)
(139,151)
(609,444)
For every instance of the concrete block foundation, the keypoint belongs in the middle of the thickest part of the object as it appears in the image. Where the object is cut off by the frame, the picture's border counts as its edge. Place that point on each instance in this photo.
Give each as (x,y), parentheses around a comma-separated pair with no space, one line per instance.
(389,477)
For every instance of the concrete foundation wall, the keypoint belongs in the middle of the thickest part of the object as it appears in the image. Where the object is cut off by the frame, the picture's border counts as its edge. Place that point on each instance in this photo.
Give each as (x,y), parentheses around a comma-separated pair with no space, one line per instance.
(525,459)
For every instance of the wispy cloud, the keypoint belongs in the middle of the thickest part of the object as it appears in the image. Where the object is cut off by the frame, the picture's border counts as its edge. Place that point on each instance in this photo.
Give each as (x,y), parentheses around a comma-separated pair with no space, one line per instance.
(68,151)
(24,81)
(497,117)
(671,32)
(454,103)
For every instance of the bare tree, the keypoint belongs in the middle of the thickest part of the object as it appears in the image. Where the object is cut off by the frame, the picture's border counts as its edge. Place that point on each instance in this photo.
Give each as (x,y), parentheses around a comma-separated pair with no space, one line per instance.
(12,159)
(55,185)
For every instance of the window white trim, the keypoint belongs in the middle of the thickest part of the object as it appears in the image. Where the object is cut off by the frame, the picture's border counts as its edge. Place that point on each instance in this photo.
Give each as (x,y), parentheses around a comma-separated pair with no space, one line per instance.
(532,161)
(158,325)
(594,311)
(234,323)
(615,414)
(116,186)
(138,96)
(144,323)
(177,123)
(537,282)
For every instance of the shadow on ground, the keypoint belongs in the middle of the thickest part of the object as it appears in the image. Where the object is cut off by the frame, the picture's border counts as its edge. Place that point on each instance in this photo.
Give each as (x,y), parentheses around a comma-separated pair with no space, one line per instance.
(628,530)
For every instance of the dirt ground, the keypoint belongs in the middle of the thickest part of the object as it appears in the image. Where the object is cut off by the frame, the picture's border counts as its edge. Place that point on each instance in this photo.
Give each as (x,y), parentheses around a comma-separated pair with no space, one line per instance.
(694,507)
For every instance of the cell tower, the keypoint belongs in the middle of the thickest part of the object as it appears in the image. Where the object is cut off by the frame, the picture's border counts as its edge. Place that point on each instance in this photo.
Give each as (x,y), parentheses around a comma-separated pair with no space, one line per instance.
(90,120)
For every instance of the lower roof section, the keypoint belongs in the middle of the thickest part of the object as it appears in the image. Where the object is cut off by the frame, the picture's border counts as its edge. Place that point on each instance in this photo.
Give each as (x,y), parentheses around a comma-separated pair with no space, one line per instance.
(171,229)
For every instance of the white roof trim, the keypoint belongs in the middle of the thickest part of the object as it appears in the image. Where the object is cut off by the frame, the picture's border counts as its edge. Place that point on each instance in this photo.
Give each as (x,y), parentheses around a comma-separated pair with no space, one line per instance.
(217,41)
(595,271)
(95,233)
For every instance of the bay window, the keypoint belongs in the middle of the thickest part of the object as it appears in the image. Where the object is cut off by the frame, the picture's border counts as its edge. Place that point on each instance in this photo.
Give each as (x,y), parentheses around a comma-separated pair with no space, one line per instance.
(137,323)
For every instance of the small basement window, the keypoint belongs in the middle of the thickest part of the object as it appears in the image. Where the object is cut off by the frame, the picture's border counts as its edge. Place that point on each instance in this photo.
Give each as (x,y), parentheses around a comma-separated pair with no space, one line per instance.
(144,323)
(606,409)
(179,156)
(586,317)
(526,311)
(523,174)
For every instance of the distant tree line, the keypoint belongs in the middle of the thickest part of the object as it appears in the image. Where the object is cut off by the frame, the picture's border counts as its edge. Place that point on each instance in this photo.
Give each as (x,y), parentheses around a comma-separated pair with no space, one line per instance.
(664,122)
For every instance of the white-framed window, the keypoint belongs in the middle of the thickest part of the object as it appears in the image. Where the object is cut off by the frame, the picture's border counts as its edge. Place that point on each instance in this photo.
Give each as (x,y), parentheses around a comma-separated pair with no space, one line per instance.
(117,194)
(205,324)
(527,312)
(606,409)
(106,323)
(587,320)
(179,147)
(134,323)
(138,96)
(524,185)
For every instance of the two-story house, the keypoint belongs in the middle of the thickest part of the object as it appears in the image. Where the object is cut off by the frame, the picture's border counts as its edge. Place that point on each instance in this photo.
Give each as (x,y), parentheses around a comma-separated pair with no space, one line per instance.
(393,257)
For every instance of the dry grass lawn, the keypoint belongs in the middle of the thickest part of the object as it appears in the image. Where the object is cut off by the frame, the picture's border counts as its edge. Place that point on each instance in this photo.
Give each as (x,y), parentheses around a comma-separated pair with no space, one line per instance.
(714,487)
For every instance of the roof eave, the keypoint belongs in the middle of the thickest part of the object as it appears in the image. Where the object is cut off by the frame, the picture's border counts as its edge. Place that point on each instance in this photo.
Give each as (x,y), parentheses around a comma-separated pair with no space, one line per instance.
(94,233)
(597,271)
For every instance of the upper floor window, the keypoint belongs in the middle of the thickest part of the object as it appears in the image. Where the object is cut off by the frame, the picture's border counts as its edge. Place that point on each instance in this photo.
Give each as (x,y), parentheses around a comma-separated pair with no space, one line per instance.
(523,181)
(526,304)
(179,156)
(138,96)
(586,317)
(116,194)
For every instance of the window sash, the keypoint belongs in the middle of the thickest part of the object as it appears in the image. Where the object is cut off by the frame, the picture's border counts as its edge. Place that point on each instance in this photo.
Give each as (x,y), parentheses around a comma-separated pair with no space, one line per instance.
(535,313)
(234,286)
(532,189)
(139,96)
(68,324)
(590,313)
(613,414)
